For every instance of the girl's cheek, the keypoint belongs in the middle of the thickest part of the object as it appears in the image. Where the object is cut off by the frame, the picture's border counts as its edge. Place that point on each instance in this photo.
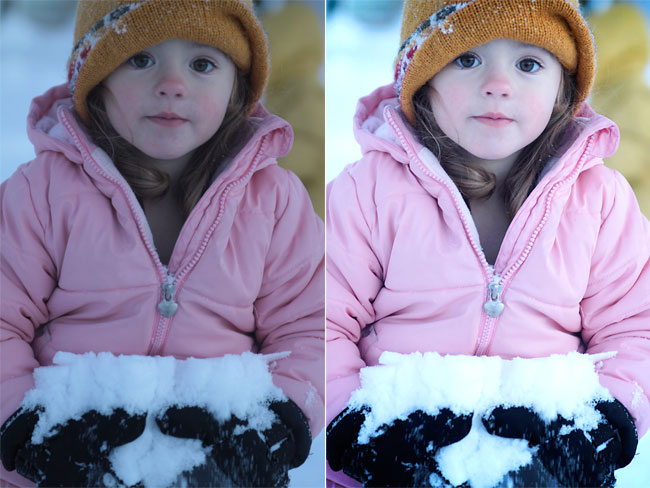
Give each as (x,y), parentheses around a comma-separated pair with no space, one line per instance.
(449,94)
(455,91)
(456,95)
(540,107)
(124,93)
(130,92)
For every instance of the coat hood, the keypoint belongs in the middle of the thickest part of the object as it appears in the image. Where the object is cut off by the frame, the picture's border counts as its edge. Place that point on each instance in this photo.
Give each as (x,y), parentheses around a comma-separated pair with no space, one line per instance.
(53,126)
(379,125)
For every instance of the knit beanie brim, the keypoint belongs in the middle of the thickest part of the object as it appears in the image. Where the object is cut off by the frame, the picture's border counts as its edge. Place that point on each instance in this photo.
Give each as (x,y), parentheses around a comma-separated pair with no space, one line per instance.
(436,32)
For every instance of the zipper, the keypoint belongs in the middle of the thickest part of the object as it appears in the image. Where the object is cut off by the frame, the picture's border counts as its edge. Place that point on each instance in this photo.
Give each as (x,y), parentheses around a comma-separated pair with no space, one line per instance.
(168,306)
(165,277)
(493,306)
(171,284)
(497,283)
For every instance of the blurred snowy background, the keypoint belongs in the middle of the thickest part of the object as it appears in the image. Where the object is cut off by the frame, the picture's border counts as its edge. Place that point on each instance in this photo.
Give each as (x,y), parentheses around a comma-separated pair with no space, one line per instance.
(362,43)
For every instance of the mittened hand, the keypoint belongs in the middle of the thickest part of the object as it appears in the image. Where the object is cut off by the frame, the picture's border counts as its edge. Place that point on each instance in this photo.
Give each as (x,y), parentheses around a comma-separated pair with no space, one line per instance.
(342,434)
(249,457)
(295,450)
(76,454)
(520,423)
(15,434)
(402,455)
(574,457)
(195,423)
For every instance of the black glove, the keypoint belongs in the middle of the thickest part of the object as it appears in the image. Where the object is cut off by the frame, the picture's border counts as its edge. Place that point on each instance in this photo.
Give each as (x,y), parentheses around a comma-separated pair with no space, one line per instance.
(248,457)
(401,455)
(75,455)
(574,457)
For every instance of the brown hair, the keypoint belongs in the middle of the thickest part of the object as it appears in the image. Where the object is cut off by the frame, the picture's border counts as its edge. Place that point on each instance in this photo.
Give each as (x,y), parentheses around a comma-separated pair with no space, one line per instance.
(477,183)
(207,160)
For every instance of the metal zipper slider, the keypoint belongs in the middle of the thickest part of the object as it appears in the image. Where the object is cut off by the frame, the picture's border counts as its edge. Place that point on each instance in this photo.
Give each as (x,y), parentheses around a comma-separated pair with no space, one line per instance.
(493,307)
(167,307)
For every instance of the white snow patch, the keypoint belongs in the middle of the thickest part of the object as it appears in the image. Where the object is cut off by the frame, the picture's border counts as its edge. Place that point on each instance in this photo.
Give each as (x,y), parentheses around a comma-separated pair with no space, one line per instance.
(565,385)
(311,394)
(637,396)
(239,385)
(155,459)
(120,28)
(468,384)
(464,461)
(76,384)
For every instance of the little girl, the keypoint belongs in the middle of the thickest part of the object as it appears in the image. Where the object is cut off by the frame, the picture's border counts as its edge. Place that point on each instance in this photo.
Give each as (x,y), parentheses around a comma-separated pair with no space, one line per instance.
(482,221)
(154,220)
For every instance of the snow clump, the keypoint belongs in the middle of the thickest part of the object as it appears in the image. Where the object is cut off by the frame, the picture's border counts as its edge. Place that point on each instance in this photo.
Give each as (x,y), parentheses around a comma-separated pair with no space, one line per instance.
(565,385)
(239,385)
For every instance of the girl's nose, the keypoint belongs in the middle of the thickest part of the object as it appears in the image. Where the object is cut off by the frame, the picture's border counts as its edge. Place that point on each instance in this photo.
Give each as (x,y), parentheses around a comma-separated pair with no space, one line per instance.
(171,85)
(497,85)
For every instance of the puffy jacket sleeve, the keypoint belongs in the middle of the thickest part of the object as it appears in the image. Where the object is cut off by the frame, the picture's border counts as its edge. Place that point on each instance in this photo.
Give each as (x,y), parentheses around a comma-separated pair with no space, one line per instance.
(616,306)
(354,277)
(27,279)
(290,308)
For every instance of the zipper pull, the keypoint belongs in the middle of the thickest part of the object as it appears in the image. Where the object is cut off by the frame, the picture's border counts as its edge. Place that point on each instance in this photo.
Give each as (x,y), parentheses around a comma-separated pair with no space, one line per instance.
(493,306)
(167,307)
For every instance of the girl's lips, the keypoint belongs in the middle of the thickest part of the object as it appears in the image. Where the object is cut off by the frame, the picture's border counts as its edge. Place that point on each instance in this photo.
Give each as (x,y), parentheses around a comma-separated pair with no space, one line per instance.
(167,119)
(493,121)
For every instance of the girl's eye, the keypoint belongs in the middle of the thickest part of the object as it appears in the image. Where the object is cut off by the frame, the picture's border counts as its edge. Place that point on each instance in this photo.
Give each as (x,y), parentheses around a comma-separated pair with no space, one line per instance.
(467,61)
(202,65)
(141,61)
(528,65)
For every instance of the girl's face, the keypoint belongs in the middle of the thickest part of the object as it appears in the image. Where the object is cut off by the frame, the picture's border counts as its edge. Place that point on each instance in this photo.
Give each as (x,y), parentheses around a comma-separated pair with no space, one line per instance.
(497,98)
(170,98)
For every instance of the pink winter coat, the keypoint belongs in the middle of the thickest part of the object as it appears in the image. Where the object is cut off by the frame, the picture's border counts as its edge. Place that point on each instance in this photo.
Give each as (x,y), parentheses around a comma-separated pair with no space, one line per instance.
(405,270)
(80,272)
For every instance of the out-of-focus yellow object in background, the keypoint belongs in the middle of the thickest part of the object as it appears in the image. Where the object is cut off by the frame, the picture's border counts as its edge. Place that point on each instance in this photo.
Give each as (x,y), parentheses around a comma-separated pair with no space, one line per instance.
(621,92)
(295,91)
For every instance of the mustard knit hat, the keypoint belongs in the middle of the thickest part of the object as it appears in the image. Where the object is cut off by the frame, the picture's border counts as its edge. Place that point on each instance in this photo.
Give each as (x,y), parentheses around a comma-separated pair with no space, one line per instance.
(108,32)
(434,32)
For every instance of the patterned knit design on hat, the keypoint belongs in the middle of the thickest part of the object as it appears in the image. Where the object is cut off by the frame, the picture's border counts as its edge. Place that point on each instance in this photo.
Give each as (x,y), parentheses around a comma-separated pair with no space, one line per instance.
(435,32)
(108,32)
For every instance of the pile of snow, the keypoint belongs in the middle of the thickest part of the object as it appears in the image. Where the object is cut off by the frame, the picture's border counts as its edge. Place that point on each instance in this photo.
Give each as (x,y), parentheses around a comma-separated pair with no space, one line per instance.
(565,385)
(76,384)
(466,460)
(155,459)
